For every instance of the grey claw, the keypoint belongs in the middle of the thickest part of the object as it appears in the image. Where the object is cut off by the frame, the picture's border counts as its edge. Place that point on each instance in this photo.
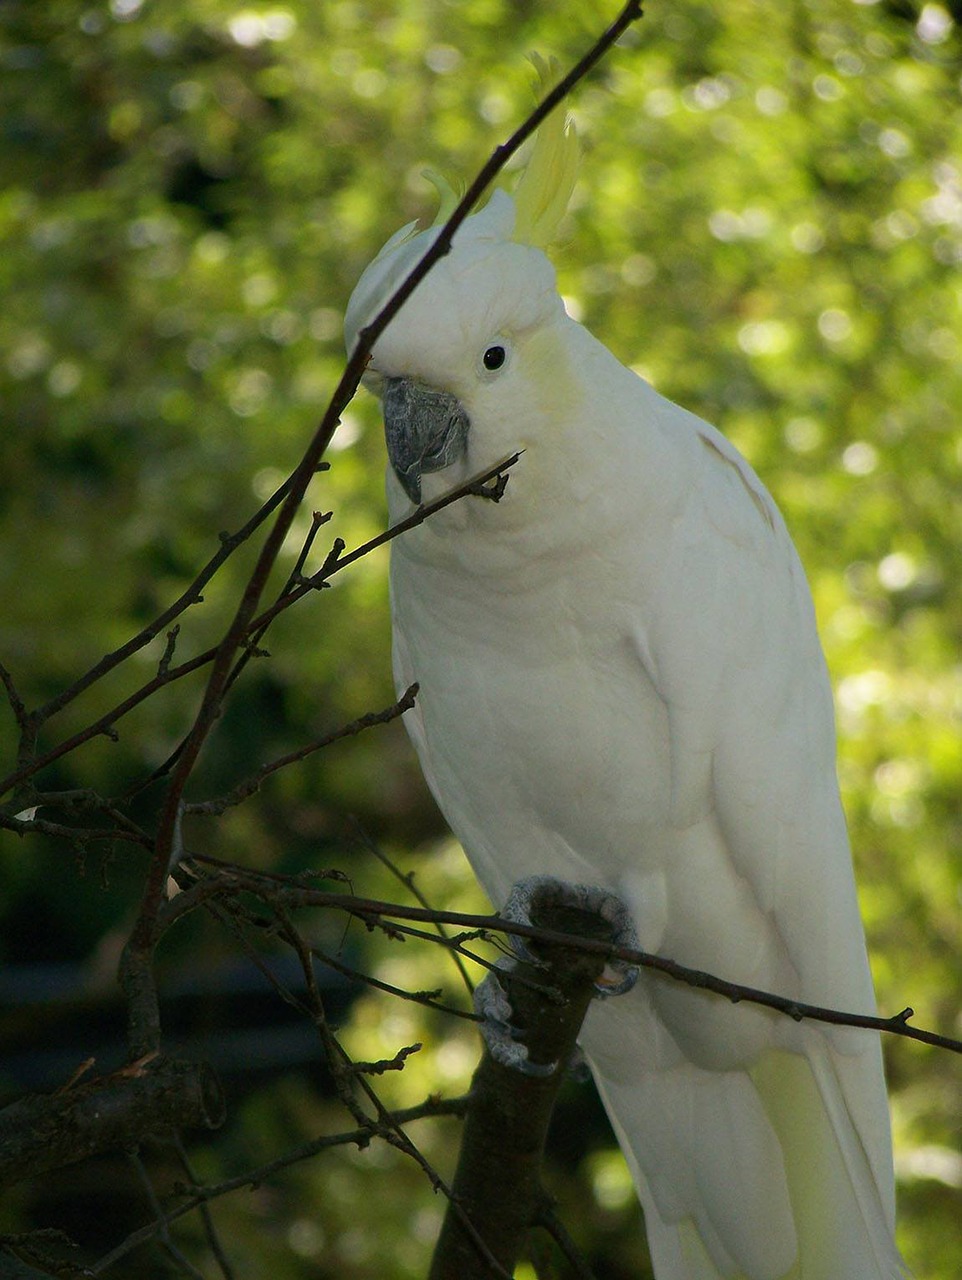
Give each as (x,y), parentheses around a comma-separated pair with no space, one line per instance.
(629,976)
(578,1068)
(504,1045)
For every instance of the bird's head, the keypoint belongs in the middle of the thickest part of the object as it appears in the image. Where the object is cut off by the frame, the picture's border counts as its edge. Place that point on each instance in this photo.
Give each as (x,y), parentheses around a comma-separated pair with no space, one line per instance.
(473,351)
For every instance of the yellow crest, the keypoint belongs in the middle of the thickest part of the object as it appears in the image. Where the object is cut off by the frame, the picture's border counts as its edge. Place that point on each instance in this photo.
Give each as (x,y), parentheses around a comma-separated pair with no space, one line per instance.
(542,194)
(448,197)
(547,180)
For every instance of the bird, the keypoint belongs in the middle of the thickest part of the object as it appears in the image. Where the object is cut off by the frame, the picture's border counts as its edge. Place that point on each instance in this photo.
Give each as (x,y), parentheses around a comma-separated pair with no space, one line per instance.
(622,687)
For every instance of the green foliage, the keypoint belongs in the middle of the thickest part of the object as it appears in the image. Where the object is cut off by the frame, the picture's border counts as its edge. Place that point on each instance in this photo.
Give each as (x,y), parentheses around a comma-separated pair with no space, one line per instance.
(768,225)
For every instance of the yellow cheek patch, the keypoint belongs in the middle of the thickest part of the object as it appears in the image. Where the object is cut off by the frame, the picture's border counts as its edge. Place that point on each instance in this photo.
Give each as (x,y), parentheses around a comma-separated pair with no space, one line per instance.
(547,366)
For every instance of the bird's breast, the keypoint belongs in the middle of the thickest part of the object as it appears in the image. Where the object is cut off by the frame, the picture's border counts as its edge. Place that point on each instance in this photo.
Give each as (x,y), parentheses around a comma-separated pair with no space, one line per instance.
(539,730)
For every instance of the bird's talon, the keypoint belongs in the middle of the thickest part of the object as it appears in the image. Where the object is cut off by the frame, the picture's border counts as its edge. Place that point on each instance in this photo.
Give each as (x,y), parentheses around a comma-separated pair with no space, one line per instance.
(618,977)
(619,985)
(505,1041)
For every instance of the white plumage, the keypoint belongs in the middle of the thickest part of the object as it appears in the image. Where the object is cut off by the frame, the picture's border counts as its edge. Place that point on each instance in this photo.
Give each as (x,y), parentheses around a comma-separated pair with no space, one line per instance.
(622,685)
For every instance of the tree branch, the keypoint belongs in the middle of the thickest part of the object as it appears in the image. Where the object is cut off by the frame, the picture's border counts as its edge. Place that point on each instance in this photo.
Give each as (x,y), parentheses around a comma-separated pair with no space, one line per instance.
(229,542)
(250,785)
(198,1195)
(333,564)
(373,911)
(40,1132)
(144,1024)
(288,497)
(497,1185)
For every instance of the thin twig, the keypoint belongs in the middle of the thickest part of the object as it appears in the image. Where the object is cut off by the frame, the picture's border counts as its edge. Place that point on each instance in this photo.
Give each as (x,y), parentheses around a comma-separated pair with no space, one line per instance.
(407,879)
(379,914)
(360,1137)
(336,560)
(252,643)
(252,784)
(292,491)
(489,171)
(166,1239)
(105,723)
(555,1228)
(80,835)
(318,519)
(426,998)
(17,705)
(192,595)
(373,911)
(210,1230)
(343,1070)
(168,655)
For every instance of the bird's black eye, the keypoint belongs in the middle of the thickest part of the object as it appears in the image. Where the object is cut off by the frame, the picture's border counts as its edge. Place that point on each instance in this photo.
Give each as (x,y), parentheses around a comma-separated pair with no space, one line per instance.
(494,358)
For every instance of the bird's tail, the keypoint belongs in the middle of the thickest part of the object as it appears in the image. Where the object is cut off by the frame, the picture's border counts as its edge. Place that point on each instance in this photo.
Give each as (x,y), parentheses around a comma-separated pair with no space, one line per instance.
(757,1176)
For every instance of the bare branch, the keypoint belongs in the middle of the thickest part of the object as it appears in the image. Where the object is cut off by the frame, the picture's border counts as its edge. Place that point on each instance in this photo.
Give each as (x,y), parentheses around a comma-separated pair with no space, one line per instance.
(13,697)
(490,170)
(497,1185)
(478,486)
(229,542)
(288,497)
(250,785)
(106,722)
(168,655)
(374,911)
(360,1137)
(430,999)
(408,881)
(555,1228)
(46,1131)
(78,835)
(318,519)
(346,1075)
(210,1231)
(166,1241)
(386,1064)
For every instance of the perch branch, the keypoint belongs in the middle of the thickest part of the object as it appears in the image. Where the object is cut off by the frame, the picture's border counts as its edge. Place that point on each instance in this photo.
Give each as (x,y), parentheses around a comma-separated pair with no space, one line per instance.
(497,1184)
(373,911)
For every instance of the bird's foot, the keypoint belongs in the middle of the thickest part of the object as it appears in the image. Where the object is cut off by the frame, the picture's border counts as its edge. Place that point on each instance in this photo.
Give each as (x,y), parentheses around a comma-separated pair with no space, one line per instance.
(546,891)
(578,1069)
(592,912)
(504,1040)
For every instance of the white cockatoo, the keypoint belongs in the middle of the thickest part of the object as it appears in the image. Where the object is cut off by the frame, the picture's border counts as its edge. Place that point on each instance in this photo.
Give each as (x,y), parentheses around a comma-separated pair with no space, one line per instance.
(621,686)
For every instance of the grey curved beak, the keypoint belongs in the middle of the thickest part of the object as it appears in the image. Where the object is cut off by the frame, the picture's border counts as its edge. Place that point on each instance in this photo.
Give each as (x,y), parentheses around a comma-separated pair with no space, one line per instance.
(425,430)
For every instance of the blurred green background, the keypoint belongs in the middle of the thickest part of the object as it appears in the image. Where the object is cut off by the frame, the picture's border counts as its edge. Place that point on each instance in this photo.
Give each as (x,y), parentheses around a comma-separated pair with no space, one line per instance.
(768,226)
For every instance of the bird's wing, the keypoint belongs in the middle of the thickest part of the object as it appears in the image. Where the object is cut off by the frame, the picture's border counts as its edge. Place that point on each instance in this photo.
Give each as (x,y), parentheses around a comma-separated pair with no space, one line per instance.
(733,642)
(732,647)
